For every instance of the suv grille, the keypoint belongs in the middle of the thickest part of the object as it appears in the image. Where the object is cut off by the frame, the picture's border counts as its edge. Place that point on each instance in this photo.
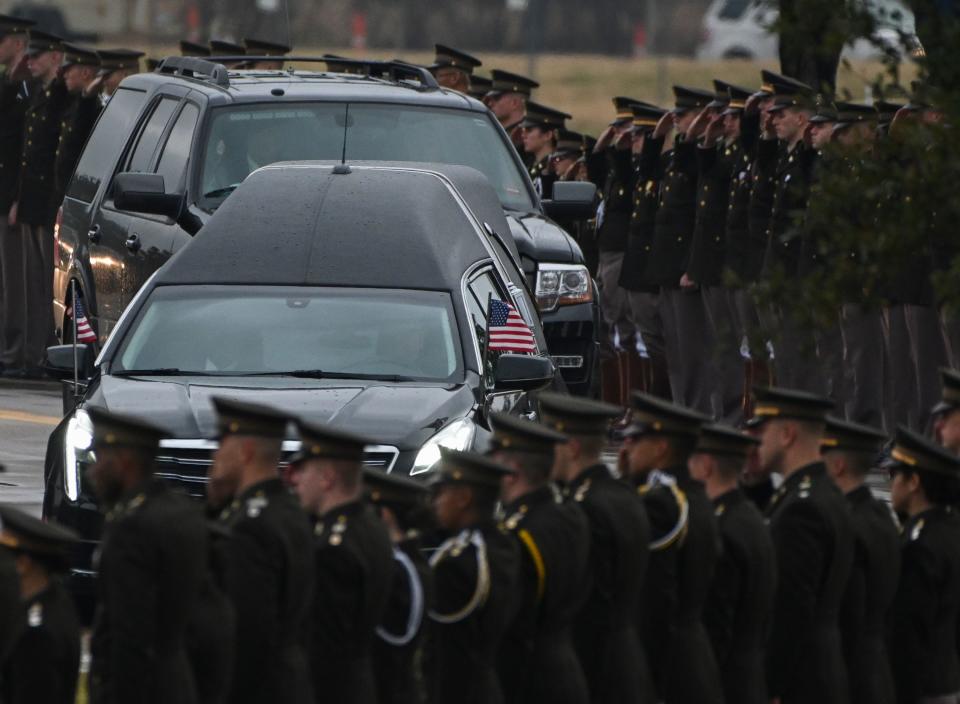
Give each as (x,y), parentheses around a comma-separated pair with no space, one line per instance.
(184,463)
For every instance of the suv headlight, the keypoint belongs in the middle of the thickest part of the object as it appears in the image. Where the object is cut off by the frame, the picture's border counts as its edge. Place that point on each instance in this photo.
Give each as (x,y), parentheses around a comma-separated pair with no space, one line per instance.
(455,436)
(562,285)
(77,444)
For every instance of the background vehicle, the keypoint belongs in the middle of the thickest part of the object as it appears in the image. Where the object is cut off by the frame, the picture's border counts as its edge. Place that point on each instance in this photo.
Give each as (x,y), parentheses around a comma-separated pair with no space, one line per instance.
(740,29)
(203,129)
(334,318)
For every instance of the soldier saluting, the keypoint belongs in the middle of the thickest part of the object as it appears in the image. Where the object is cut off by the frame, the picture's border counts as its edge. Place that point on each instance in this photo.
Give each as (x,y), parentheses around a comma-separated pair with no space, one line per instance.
(268,558)
(353,558)
(475,576)
(537,659)
(151,564)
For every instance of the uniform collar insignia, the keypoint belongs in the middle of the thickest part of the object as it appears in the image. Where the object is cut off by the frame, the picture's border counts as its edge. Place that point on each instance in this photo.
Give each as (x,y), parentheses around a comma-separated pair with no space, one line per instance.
(917,529)
(256,504)
(35,615)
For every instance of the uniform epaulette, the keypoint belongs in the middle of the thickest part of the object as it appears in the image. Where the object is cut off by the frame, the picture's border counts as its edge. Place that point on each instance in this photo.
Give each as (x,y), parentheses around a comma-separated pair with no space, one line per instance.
(453,548)
(415,617)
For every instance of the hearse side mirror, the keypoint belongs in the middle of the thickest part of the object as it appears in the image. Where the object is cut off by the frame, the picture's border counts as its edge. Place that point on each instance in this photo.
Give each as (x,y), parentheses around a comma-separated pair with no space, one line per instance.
(521,372)
(146,193)
(572,200)
(59,361)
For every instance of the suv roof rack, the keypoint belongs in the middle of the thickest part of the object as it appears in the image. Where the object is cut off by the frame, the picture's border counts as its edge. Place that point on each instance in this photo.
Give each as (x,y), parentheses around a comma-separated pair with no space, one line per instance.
(213,70)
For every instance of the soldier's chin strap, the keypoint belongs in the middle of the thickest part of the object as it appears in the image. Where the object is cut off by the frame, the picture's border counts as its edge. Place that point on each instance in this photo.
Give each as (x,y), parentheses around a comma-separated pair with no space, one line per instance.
(455,546)
(415,617)
(658,478)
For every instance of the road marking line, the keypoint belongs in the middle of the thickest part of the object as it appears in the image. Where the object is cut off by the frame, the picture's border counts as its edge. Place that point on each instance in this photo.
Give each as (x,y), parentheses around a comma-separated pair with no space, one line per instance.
(22,417)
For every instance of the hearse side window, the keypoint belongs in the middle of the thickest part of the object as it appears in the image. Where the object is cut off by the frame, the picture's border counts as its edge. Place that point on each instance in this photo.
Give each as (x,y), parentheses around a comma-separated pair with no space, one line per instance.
(103,147)
(142,156)
(176,152)
(481,287)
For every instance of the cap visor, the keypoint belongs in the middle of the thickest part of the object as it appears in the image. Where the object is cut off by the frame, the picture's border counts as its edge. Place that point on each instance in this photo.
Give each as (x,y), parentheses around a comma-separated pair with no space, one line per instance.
(777,108)
(717,104)
(732,111)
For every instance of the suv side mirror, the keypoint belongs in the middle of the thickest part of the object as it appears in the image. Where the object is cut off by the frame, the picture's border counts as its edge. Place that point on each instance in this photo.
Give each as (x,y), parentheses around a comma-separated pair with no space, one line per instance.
(59,361)
(572,200)
(146,193)
(521,372)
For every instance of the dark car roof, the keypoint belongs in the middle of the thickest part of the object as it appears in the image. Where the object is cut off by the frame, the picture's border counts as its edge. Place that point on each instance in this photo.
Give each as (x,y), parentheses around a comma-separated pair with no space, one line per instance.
(256,86)
(303,224)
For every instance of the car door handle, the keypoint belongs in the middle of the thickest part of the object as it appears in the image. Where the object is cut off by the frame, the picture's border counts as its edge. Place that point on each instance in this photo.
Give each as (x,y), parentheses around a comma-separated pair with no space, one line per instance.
(93,234)
(132,243)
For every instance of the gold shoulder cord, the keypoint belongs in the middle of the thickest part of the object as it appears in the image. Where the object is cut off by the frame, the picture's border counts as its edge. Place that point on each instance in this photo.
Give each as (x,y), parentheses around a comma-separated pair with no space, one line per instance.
(482,591)
(537,558)
(679,531)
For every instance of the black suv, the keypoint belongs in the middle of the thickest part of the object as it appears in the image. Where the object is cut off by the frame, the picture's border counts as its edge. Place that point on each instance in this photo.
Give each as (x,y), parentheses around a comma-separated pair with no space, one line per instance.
(204,128)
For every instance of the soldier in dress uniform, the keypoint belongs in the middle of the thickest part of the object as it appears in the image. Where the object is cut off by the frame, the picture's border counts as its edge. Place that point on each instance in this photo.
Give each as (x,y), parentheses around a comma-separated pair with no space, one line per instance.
(739,607)
(946,420)
(454,69)
(115,65)
(16,90)
(541,126)
(850,451)
(354,563)
(80,67)
(151,565)
(681,307)
(538,663)
(614,148)
(507,101)
(188,48)
(45,661)
(813,537)
(476,574)
(684,548)
(32,211)
(480,86)
(924,484)
(259,47)
(648,373)
(397,649)
(269,560)
(604,632)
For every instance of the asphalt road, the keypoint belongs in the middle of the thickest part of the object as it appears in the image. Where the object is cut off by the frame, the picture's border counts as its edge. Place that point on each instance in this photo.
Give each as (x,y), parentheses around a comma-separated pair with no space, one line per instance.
(28,412)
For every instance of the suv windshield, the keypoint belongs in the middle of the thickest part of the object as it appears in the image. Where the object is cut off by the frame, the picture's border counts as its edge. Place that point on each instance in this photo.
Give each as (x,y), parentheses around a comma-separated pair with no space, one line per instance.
(243,138)
(253,330)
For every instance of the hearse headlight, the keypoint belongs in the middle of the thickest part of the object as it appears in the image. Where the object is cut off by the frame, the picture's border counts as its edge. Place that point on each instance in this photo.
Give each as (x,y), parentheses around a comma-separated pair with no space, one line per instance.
(77,445)
(562,285)
(457,435)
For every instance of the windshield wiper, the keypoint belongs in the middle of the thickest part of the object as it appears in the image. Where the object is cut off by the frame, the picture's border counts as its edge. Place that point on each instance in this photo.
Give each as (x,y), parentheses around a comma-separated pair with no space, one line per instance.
(320,374)
(161,371)
(221,192)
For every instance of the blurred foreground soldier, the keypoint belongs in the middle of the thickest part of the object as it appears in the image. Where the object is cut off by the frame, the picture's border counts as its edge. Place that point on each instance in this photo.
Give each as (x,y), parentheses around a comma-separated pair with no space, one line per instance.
(684,547)
(507,101)
(849,451)
(32,210)
(813,537)
(268,558)
(453,69)
(80,67)
(537,659)
(946,419)
(115,65)
(604,633)
(480,86)
(397,655)
(541,128)
(188,48)
(739,607)
(151,565)
(354,563)
(10,615)
(45,662)
(924,484)
(16,90)
(259,47)
(475,576)
(221,47)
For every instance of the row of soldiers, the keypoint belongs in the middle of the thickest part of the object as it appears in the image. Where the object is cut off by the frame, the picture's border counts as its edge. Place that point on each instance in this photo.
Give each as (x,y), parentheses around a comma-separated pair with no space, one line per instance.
(558,579)
(700,202)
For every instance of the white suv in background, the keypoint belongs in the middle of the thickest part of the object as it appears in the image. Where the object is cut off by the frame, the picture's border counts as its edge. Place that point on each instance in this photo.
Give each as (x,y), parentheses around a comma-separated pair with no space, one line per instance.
(739,29)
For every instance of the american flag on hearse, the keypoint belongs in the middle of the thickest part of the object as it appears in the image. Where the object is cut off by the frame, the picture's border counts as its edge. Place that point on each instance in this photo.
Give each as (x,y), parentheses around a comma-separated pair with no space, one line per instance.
(506,329)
